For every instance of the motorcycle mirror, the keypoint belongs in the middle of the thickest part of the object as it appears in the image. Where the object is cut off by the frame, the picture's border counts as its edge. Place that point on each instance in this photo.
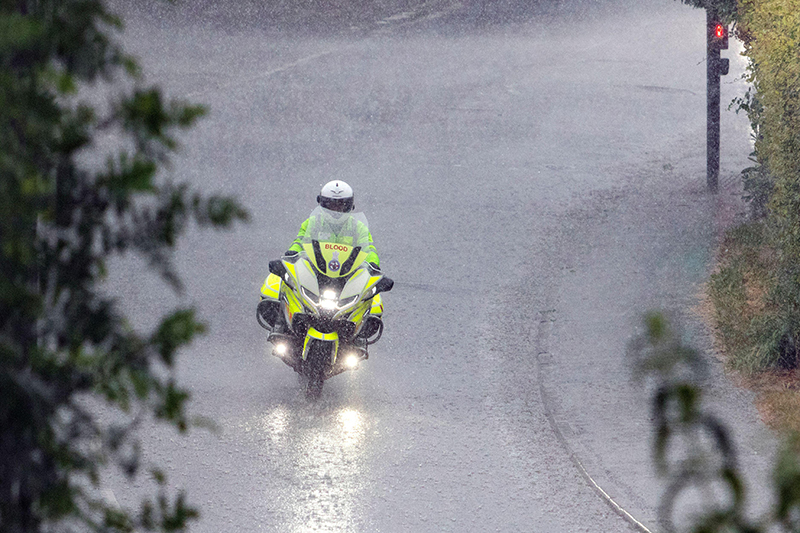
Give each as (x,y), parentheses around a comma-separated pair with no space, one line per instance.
(384,285)
(277,268)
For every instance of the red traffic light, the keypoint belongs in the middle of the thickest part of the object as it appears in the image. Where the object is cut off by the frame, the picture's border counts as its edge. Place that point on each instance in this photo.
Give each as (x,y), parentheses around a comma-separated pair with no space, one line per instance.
(717,35)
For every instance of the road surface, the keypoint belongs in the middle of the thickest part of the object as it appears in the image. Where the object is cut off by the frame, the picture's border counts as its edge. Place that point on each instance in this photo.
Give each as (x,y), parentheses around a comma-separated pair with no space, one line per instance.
(533,188)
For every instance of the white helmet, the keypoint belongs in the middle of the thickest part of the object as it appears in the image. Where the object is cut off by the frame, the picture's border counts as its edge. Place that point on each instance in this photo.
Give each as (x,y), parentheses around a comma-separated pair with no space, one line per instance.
(336,196)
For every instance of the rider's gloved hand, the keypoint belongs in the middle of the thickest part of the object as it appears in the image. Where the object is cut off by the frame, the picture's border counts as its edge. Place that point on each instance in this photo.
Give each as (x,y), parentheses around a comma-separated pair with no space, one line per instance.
(290,253)
(373,265)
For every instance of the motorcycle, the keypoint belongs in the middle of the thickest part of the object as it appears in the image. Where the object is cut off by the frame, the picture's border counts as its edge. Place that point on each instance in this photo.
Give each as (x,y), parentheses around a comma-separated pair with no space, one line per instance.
(322,306)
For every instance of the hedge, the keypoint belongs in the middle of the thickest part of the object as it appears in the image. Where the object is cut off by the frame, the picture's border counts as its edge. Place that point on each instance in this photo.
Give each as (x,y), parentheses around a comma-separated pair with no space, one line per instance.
(770,30)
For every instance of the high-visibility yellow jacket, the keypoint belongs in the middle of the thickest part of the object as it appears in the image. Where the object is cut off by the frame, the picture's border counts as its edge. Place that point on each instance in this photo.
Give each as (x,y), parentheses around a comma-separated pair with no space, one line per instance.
(353,233)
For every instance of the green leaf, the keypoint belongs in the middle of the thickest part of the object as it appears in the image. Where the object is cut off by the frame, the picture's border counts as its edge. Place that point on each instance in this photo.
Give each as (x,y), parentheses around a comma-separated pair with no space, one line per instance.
(172,404)
(18,31)
(177,330)
(129,174)
(63,340)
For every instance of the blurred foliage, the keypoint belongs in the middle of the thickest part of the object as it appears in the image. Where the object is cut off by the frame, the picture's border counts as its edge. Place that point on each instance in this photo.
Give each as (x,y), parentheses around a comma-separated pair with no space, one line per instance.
(694,449)
(63,343)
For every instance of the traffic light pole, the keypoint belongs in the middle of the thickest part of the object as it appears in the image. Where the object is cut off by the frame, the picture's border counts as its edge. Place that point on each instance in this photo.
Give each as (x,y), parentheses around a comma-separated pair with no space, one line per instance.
(712,106)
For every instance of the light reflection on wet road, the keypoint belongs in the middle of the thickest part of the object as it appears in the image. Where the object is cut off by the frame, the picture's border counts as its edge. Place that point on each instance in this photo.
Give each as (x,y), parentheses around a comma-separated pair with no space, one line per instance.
(323,450)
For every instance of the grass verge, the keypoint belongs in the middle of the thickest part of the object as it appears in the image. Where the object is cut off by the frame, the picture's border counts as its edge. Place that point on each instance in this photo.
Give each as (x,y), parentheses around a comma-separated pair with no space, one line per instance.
(740,305)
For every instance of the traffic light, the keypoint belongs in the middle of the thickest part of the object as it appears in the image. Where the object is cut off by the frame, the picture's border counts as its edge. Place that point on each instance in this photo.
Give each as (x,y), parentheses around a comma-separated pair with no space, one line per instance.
(716,66)
(717,40)
(717,35)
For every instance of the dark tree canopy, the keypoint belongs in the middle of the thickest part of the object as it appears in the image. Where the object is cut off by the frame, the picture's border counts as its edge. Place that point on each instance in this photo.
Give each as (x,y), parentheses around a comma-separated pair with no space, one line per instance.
(61,338)
(727,9)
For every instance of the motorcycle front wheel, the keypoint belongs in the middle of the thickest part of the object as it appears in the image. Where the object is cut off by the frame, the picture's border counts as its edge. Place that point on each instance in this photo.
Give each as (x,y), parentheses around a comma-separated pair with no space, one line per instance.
(319,355)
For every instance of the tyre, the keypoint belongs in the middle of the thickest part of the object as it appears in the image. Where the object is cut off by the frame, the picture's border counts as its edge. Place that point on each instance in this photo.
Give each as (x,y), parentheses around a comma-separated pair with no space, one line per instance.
(319,356)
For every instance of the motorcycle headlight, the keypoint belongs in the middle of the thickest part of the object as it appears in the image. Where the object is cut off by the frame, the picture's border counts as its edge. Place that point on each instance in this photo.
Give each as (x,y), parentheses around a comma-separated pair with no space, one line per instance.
(332,304)
(328,305)
(328,300)
(348,301)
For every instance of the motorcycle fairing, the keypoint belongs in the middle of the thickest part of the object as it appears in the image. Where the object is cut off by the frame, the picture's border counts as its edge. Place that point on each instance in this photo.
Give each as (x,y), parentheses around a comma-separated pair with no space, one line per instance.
(291,273)
(302,273)
(360,311)
(272,287)
(372,281)
(355,285)
(325,337)
(333,259)
(377,306)
(293,305)
(307,278)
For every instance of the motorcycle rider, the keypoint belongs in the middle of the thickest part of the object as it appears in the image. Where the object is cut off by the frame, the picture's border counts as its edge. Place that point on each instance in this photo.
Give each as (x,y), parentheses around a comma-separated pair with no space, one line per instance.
(335,199)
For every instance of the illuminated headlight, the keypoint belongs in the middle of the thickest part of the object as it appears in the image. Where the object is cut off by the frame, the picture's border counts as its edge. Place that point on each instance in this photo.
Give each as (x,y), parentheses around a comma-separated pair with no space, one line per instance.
(328,301)
(281,349)
(328,305)
(351,361)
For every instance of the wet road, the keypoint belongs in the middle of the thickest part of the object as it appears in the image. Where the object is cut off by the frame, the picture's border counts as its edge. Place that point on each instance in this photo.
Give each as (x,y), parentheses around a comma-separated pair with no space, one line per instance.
(532,188)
